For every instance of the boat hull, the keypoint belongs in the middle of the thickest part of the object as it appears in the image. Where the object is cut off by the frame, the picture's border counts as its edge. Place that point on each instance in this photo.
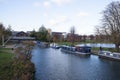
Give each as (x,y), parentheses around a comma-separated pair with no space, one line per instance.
(109,57)
(54,47)
(75,52)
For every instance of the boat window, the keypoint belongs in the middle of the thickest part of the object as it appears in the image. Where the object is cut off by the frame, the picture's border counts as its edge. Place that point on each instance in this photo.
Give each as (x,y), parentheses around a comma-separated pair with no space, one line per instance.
(115,55)
(108,54)
(119,56)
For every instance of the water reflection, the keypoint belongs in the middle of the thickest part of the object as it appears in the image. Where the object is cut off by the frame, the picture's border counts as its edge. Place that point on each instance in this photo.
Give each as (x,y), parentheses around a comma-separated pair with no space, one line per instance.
(53,64)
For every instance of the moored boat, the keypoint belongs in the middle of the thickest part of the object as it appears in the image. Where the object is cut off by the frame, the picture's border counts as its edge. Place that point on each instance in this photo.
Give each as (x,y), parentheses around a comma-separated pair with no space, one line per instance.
(55,47)
(109,55)
(81,50)
(42,44)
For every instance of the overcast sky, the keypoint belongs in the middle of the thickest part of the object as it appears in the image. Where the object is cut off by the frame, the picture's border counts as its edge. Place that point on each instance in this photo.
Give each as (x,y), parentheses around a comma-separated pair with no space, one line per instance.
(58,15)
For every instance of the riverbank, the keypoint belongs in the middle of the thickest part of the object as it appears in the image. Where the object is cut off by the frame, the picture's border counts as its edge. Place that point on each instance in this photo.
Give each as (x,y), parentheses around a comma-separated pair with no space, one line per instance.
(16,65)
(95,50)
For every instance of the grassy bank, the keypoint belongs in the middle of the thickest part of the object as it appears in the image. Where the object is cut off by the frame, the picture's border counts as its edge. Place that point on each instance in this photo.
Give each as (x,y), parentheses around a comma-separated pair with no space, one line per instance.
(17,65)
(6,57)
(95,50)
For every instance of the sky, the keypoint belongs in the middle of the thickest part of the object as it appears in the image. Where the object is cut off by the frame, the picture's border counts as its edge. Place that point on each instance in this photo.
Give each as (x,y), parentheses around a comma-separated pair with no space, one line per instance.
(57,15)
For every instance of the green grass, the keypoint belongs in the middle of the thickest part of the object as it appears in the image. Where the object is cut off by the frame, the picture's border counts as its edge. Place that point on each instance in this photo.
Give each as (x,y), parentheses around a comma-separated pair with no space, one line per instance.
(5,49)
(5,63)
(95,50)
(5,57)
(104,49)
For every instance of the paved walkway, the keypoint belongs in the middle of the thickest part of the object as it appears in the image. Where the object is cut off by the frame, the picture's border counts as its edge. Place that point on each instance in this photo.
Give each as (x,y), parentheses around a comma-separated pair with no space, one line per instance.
(12,46)
(9,46)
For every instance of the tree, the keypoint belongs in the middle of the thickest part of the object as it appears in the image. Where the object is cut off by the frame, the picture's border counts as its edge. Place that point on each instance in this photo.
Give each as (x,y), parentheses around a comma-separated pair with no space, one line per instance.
(2,29)
(4,33)
(8,31)
(49,36)
(72,32)
(42,34)
(111,24)
(33,34)
(84,38)
(55,38)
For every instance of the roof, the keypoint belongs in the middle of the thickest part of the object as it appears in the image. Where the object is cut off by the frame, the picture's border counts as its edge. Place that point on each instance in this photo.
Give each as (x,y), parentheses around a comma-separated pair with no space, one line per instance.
(22,38)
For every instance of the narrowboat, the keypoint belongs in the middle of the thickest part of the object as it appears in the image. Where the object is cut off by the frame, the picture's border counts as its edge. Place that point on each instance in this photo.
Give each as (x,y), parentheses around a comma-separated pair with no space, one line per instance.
(81,50)
(109,55)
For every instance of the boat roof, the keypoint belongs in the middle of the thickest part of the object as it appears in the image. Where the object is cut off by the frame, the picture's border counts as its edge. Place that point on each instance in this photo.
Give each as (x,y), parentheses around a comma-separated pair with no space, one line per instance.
(83,46)
(76,46)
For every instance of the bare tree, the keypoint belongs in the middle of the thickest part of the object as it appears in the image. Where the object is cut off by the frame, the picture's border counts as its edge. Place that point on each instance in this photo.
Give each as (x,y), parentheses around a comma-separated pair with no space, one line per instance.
(55,38)
(2,29)
(72,32)
(111,23)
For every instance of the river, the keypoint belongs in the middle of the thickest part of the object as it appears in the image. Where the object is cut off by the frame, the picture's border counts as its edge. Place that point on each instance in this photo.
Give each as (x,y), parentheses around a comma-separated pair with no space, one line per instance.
(105,45)
(51,64)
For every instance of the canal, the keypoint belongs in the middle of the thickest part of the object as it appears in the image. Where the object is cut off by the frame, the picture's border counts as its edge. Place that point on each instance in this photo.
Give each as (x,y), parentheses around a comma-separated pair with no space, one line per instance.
(51,64)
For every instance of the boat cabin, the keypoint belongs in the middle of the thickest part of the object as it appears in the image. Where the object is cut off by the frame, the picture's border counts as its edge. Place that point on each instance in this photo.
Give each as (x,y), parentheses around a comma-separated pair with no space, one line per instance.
(84,49)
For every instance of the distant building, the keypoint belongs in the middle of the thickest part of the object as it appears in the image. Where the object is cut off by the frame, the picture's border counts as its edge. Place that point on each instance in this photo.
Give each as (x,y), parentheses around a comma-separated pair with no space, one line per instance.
(57,36)
(91,37)
(78,38)
(19,34)
(74,37)
(22,34)
(60,36)
(49,31)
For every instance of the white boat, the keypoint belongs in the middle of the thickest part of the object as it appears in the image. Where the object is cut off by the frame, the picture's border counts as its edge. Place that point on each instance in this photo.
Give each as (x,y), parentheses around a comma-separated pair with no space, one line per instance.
(42,44)
(109,55)
(81,50)
(55,47)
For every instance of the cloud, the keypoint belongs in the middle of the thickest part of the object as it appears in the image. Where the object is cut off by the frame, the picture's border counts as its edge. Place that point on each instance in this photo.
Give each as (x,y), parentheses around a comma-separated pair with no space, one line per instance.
(46,4)
(82,14)
(62,19)
(52,22)
(61,2)
(45,14)
(37,4)
(58,20)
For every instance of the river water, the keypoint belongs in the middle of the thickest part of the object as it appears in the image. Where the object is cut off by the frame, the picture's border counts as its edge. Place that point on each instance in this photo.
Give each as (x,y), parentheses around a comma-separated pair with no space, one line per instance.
(105,45)
(51,64)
